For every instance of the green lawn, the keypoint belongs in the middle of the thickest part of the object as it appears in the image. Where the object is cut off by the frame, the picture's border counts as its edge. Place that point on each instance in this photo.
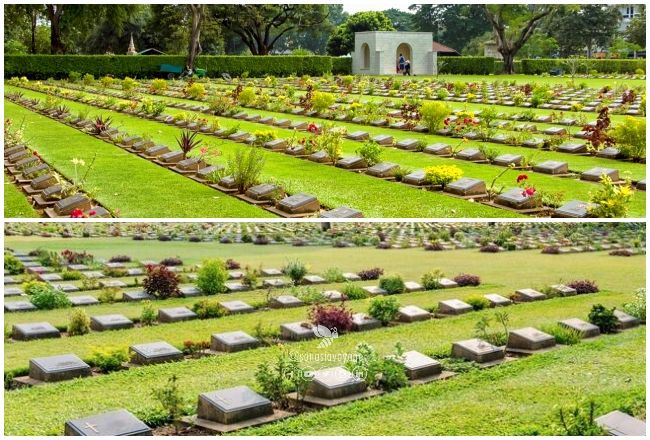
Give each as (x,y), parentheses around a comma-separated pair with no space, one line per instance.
(124,182)
(526,389)
(287,170)
(16,204)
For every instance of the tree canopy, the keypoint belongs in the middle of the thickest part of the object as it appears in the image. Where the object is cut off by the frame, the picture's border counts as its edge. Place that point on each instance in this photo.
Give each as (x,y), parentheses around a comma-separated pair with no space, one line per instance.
(341,41)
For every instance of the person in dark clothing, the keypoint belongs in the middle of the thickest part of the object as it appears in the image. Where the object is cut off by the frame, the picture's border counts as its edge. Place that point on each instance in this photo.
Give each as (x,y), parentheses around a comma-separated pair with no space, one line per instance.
(407,68)
(401,63)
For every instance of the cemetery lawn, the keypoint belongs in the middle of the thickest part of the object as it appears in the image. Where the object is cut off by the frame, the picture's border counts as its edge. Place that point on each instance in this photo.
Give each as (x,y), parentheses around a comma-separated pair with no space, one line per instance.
(16,205)
(610,369)
(126,183)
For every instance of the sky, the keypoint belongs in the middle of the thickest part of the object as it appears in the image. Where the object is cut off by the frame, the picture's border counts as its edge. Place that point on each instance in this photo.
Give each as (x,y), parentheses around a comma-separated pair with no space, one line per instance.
(375,5)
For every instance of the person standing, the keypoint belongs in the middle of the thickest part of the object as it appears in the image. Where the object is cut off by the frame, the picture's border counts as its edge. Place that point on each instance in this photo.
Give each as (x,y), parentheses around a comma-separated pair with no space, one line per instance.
(407,68)
(401,63)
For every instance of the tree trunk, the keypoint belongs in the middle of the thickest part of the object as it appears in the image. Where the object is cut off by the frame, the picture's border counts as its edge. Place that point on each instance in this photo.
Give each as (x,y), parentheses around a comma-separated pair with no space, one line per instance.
(194,49)
(33,29)
(54,13)
(508,62)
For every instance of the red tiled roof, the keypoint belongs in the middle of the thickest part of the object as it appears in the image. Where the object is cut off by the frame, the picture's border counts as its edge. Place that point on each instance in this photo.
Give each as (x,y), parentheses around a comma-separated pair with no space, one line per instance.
(438,47)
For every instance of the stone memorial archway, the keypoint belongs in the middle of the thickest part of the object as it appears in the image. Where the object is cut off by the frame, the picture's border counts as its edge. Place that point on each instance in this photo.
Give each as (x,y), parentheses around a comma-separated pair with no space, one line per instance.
(377,52)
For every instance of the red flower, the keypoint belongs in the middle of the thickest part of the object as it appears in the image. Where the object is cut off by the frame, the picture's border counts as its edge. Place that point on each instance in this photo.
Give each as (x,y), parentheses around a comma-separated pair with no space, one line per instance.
(91,213)
(312,128)
(77,213)
(528,192)
(446,121)
(521,177)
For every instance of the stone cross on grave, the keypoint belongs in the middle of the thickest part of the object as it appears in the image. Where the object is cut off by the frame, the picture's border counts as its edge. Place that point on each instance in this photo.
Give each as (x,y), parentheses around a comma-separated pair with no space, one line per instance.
(91,427)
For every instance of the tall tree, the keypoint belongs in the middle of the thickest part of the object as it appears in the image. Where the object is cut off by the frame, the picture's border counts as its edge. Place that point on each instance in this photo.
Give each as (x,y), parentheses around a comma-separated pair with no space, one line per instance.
(54,14)
(341,41)
(194,48)
(513,25)
(453,25)
(260,26)
(584,27)
(21,23)
(402,21)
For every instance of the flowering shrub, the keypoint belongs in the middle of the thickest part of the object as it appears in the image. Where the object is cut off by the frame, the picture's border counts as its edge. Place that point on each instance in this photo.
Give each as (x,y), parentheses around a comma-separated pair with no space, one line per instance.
(246,96)
(442,174)
(584,286)
(371,274)
(433,114)
(232,264)
(612,199)
(465,279)
(551,250)
(158,86)
(489,248)
(321,101)
(73,257)
(637,308)
(160,282)
(392,284)
(194,90)
(171,261)
(333,317)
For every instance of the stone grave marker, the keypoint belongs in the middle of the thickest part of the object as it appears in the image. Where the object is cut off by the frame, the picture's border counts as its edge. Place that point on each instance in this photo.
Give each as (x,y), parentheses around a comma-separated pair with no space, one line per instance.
(477,351)
(412,286)
(575,209)
(515,198)
(113,423)
(233,341)
(374,290)
(234,307)
(300,203)
(529,339)
(190,291)
(154,353)
(497,300)
(351,276)
(176,314)
(233,405)
(624,320)
(236,287)
(313,279)
(50,277)
(506,160)
(362,322)
(358,136)
(563,290)
(19,306)
(13,291)
(453,307)
(552,167)
(383,139)
(271,272)
(274,282)
(34,330)
(526,295)
(407,144)
(586,329)
(412,314)
(383,170)
(112,283)
(58,368)
(446,283)
(595,174)
(467,186)
(439,149)
(285,301)
(333,295)
(420,366)
(110,322)
(470,154)
(65,287)
(618,423)
(352,162)
(572,148)
(83,300)
(335,383)
(136,295)
(297,331)
(342,212)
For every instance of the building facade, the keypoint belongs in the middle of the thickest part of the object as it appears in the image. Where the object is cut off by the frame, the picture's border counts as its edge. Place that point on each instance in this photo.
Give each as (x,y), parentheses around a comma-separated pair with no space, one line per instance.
(378,52)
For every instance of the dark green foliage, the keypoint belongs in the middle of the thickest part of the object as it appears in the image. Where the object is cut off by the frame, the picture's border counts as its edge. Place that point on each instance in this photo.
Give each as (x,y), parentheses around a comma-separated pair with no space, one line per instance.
(466,65)
(604,318)
(538,66)
(392,284)
(579,421)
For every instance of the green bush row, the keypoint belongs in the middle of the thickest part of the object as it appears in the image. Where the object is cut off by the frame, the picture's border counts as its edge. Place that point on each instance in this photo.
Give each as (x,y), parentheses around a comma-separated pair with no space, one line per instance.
(538,66)
(466,65)
(59,66)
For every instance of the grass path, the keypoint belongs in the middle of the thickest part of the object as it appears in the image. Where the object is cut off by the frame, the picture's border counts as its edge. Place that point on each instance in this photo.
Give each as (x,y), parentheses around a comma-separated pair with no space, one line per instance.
(16,203)
(123,181)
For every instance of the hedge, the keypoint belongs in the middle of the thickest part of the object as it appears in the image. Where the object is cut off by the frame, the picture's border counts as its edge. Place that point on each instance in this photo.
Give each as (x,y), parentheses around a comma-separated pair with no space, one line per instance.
(58,66)
(466,65)
(342,65)
(538,66)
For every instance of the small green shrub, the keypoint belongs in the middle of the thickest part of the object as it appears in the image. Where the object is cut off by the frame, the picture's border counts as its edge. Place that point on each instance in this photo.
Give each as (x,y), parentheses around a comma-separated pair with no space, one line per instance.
(478,302)
(296,270)
(88,79)
(247,96)
(392,284)
(71,275)
(353,291)
(431,280)
(148,314)
(433,113)
(170,398)
(380,372)
(371,152)
(578,420)
(275,381)
(108,359)
(206,308)
(603,318)
(334,275)
(79,323)
(212,277)
(384,309)
(108,295)
(13,265)
(321,101)
(50,298)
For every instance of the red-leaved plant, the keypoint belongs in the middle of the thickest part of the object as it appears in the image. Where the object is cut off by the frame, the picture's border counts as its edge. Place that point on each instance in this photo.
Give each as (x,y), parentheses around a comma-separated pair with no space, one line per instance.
(371,274)
(465,279)
(161,282)
(188,142)
(334,317)
(584,286)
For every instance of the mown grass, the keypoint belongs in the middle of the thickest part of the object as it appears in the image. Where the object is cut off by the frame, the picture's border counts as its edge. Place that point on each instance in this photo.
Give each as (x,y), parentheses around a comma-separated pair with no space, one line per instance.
(278,165)
(333,187)
(501,273)
(610,366)
(16,204)
(124,182)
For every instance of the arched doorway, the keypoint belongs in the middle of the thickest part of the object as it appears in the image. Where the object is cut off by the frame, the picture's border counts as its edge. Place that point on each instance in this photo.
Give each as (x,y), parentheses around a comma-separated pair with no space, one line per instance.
(405,50)
(366,55)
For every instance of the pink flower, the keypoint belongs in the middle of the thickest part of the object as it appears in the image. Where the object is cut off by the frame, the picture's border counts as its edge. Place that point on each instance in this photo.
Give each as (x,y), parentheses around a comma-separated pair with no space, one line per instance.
(528,192)
(77,213)
(91,213)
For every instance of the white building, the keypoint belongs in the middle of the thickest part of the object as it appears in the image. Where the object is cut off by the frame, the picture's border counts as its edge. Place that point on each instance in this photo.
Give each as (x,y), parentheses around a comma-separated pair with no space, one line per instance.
(378,52)
(628,12)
